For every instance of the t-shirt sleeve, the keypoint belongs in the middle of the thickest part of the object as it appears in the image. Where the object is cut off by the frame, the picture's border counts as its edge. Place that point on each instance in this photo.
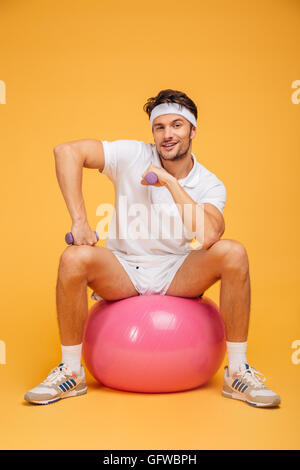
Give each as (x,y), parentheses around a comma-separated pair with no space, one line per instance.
(215,193)
(119,156)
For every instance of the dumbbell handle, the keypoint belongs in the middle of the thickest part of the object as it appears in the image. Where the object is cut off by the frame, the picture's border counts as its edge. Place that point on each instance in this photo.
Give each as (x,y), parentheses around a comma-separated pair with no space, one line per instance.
(151,178)
(70,239)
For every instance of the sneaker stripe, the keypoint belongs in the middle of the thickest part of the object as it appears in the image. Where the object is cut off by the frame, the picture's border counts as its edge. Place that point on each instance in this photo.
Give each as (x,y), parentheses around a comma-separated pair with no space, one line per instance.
(234,383)
(70,384)
(241,386)
(73,381)
(237,384)
(62,388)
(246,386)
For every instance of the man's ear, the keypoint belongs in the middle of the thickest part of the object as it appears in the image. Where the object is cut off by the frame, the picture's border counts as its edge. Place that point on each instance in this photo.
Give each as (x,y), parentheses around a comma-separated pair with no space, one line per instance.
(193,132)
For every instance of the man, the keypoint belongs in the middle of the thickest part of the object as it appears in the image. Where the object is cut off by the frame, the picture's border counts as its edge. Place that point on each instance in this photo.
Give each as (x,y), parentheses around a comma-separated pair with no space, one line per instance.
(146,264)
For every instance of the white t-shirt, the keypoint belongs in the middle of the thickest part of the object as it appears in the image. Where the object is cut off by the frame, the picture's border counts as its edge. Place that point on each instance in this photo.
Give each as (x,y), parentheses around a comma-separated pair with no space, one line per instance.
(146,220)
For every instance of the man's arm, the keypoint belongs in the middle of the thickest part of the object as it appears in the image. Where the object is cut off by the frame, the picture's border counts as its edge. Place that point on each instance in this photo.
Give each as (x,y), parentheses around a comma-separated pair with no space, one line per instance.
(204,221)
(213,220)
(70,158)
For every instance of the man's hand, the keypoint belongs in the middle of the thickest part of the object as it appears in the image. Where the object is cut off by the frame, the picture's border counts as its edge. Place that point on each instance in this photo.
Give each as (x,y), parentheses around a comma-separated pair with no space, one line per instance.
(163,176)
(83,234)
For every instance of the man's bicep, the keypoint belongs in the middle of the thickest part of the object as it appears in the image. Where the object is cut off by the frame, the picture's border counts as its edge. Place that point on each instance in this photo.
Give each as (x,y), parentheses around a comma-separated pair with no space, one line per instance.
(216,217)
(90,150)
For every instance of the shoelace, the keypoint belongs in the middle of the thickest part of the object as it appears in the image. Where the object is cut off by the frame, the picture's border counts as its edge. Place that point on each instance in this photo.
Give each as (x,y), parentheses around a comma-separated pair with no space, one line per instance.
(55,375)
(251,375)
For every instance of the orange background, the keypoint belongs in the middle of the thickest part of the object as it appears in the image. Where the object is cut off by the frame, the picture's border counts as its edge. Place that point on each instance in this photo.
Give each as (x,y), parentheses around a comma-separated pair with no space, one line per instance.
(84,69)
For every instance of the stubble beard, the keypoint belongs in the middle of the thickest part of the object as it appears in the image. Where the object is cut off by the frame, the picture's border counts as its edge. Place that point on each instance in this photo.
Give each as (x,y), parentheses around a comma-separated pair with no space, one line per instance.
(179,155)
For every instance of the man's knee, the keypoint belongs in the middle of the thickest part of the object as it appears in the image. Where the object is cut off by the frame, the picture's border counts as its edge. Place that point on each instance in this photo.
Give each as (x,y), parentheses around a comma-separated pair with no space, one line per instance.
(76,258)
(233,254)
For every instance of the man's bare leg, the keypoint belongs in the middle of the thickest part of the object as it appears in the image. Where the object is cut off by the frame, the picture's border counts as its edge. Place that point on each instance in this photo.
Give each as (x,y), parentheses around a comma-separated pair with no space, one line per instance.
(79,267)
(227,261)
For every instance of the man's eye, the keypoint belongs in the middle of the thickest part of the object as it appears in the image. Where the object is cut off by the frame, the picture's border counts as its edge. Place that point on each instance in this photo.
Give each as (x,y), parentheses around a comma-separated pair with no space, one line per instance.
(176,125)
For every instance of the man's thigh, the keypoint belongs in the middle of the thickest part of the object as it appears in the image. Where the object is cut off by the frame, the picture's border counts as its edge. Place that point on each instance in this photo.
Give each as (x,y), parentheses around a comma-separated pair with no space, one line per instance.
(200,270)
(105,274)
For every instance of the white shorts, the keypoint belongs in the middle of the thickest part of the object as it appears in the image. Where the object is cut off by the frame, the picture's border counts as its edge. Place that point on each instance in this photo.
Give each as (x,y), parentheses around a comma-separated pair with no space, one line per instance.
(150,274)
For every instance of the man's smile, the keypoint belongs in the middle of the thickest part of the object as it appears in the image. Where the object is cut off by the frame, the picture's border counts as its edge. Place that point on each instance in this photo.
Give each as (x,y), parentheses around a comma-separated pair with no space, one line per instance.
(170,145)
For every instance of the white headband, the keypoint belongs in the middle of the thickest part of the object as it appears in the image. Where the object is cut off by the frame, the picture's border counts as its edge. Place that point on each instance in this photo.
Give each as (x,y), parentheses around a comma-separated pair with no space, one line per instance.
(172,108)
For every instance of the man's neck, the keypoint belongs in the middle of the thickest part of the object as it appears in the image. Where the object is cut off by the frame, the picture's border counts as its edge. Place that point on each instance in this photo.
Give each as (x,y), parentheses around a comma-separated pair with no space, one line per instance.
(178,168)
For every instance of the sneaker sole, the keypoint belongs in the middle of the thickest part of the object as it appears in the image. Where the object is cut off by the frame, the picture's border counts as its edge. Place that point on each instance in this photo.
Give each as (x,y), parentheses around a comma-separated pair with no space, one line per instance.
(72,393)
(236,396)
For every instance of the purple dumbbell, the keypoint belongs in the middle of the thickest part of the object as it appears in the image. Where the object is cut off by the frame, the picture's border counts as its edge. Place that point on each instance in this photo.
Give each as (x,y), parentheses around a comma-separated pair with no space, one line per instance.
(70,239)
(151,178)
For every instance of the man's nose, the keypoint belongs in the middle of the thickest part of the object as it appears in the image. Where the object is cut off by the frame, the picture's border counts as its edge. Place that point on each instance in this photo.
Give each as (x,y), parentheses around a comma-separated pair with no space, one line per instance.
(168,133)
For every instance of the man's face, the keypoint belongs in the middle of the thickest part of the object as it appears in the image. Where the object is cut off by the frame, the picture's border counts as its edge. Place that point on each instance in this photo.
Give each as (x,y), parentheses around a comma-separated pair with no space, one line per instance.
(172,129)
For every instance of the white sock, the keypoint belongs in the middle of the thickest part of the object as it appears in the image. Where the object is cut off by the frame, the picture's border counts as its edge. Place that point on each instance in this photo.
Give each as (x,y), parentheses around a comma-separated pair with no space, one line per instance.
(71,355)
(236,354)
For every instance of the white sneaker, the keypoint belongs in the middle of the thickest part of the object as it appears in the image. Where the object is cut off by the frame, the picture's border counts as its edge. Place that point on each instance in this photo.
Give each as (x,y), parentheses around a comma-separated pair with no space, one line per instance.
(60,383)
(246,385)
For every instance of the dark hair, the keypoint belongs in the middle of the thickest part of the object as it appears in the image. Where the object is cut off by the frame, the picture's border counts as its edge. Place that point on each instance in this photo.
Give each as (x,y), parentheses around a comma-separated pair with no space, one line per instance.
(171,96)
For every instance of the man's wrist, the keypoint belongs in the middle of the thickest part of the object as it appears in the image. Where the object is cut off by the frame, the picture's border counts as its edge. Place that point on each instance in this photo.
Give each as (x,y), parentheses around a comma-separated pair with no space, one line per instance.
(172,182)
(79,220)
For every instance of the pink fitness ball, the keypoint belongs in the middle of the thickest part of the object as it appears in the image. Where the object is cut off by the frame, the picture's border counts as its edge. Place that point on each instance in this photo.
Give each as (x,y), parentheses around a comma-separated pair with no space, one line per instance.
(154,343)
